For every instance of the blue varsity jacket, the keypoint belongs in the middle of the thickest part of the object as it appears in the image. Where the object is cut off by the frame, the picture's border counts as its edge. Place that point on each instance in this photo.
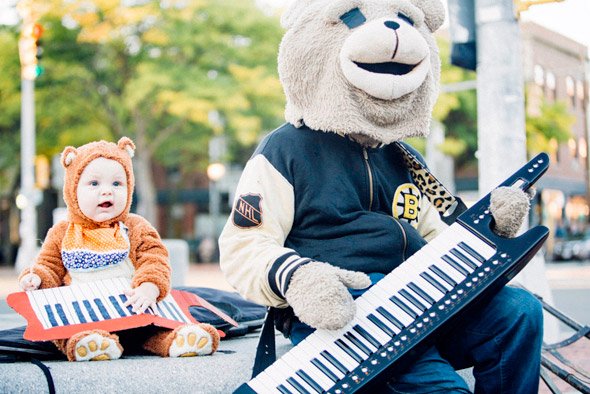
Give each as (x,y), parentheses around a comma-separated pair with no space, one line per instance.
(307,195)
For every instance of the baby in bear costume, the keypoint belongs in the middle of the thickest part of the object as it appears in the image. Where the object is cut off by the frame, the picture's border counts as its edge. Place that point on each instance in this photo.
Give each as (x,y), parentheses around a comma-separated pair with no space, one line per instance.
(328,205)
(102,240)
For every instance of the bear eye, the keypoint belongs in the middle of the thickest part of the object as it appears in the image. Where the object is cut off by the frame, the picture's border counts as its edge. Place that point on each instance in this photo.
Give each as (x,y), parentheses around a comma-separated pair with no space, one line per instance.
(353,18)
(405,18)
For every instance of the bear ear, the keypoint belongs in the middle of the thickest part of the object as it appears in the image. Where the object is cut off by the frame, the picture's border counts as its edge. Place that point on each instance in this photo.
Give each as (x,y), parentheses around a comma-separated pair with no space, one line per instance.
(294,10)
(68,156)
(434,13)
(128,145)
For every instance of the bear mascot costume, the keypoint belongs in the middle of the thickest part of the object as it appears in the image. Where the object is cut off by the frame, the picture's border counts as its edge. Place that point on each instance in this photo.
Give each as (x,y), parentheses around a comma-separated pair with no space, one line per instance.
(330,202)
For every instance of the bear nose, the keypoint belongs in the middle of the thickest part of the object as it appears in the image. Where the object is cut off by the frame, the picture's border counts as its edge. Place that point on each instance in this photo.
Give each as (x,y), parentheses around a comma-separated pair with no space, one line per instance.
(392,25)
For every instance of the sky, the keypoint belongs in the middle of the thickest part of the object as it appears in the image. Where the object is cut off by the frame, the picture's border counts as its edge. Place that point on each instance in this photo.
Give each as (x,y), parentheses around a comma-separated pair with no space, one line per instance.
(568,17)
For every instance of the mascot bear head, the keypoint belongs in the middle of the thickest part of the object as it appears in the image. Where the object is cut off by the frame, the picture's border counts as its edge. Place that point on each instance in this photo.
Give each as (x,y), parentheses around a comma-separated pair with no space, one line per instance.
(364,68)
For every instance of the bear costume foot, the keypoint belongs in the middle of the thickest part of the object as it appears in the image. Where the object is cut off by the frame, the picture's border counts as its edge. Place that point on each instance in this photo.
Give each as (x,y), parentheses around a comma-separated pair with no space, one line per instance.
(194,340)
(188,340)
(97,345)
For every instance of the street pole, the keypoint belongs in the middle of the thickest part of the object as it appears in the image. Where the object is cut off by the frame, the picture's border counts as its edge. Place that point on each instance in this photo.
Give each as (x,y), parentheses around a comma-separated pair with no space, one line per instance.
(28,224)
(214,206)
(215,171)
(501,117)
(500,93)
(29,196)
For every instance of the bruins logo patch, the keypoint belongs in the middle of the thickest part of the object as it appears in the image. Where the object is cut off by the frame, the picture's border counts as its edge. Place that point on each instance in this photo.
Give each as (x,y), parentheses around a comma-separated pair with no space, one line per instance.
(406,203)
(248,211)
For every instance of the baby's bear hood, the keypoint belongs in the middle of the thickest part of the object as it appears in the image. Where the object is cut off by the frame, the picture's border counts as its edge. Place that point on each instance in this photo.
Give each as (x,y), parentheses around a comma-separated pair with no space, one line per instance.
(75,160)
(367,67)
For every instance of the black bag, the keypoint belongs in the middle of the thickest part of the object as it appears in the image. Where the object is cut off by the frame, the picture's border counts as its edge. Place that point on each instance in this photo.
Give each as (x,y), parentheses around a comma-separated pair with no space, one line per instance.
(249,315)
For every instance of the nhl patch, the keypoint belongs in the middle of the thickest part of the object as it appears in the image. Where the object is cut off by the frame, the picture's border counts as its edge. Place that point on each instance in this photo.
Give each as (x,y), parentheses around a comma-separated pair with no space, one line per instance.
(406,203)
(248,211)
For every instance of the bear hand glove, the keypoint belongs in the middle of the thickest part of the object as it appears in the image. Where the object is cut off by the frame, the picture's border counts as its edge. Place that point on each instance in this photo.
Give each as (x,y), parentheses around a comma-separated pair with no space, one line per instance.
(142,297)
(318,293)
(509,207)
(30,282)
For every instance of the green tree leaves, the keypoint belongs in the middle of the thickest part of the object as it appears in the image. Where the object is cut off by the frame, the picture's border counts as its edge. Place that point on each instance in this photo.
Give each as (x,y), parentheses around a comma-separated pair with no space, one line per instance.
(156,72)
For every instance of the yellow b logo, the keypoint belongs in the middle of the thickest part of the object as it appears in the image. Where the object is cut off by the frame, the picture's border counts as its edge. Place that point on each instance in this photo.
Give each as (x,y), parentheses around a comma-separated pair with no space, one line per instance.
(406,203)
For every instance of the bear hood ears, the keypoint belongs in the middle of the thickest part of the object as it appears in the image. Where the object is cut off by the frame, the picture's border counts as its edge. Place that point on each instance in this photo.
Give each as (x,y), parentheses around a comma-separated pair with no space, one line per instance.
(434,11)
(70,153)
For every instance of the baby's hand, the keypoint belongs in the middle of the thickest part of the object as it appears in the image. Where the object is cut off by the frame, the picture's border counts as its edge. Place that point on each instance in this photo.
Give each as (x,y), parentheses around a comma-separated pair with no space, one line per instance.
(30,282)
(142,297)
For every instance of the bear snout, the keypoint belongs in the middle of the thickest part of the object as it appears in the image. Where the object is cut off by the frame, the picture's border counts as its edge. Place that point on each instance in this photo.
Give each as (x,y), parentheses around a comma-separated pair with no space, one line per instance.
(386,58)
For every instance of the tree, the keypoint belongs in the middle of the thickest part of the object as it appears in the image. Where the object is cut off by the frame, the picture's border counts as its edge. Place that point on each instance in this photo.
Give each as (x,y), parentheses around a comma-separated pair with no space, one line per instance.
(170,75)
(552,122)
(9,109)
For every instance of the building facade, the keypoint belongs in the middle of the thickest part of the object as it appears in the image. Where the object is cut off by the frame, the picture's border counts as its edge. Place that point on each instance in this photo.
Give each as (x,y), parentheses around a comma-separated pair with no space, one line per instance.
(557,70)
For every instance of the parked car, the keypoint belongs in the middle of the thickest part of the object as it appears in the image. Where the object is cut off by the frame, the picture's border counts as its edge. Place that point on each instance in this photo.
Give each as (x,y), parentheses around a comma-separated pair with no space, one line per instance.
(572,249)
(562,250)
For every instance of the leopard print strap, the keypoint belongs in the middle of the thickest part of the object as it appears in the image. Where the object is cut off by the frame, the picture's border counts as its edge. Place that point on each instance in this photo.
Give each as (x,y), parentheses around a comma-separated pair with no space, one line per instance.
(438,195)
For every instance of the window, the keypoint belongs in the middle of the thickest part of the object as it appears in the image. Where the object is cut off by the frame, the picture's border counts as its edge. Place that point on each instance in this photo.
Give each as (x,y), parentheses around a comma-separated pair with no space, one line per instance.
(570,89)
(582,149)
(580,91)
(550,84)
(571,143)
(539,75)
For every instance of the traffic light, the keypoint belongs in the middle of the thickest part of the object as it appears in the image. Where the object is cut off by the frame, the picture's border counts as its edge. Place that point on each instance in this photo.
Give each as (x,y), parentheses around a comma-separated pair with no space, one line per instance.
(30,50)
(462,32)
(42,172)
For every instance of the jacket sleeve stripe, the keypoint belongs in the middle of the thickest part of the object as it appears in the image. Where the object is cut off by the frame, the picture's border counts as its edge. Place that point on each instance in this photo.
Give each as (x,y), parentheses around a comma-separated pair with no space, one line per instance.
(287,272)
(272,273)
(281,271)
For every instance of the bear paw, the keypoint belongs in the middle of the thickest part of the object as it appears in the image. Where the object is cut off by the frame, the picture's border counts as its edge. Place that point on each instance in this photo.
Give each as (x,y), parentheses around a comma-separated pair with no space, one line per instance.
(194,340)
(96,347)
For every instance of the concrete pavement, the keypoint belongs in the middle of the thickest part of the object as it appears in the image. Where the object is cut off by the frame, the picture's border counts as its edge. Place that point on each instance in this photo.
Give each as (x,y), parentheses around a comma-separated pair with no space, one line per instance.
(222,372)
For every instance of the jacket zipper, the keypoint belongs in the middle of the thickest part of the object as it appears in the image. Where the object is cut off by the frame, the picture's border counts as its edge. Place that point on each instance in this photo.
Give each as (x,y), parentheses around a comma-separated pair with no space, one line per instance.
(366,157)
(404,235)
(368,165)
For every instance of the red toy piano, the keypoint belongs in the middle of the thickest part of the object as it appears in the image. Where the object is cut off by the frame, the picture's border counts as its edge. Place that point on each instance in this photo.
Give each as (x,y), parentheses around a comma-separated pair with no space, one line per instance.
(60,312)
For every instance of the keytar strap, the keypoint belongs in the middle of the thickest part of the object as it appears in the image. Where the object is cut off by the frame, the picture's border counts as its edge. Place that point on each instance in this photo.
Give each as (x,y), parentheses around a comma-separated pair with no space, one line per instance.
(448,206)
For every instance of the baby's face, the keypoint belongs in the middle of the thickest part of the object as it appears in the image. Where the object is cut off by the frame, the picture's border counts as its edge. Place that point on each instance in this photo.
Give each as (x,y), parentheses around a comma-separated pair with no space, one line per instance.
(102,190)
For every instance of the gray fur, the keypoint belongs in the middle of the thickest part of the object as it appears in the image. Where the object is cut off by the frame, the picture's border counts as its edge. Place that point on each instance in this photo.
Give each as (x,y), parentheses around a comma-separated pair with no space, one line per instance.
(509,207)
(319,94)
(318,294)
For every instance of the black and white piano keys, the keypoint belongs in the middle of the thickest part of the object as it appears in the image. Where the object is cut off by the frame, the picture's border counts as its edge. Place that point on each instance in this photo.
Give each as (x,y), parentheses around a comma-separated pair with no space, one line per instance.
(413,291)
(93,302)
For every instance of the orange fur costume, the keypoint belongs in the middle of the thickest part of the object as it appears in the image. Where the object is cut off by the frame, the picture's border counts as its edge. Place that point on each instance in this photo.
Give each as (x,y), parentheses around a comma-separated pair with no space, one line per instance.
(147,255)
